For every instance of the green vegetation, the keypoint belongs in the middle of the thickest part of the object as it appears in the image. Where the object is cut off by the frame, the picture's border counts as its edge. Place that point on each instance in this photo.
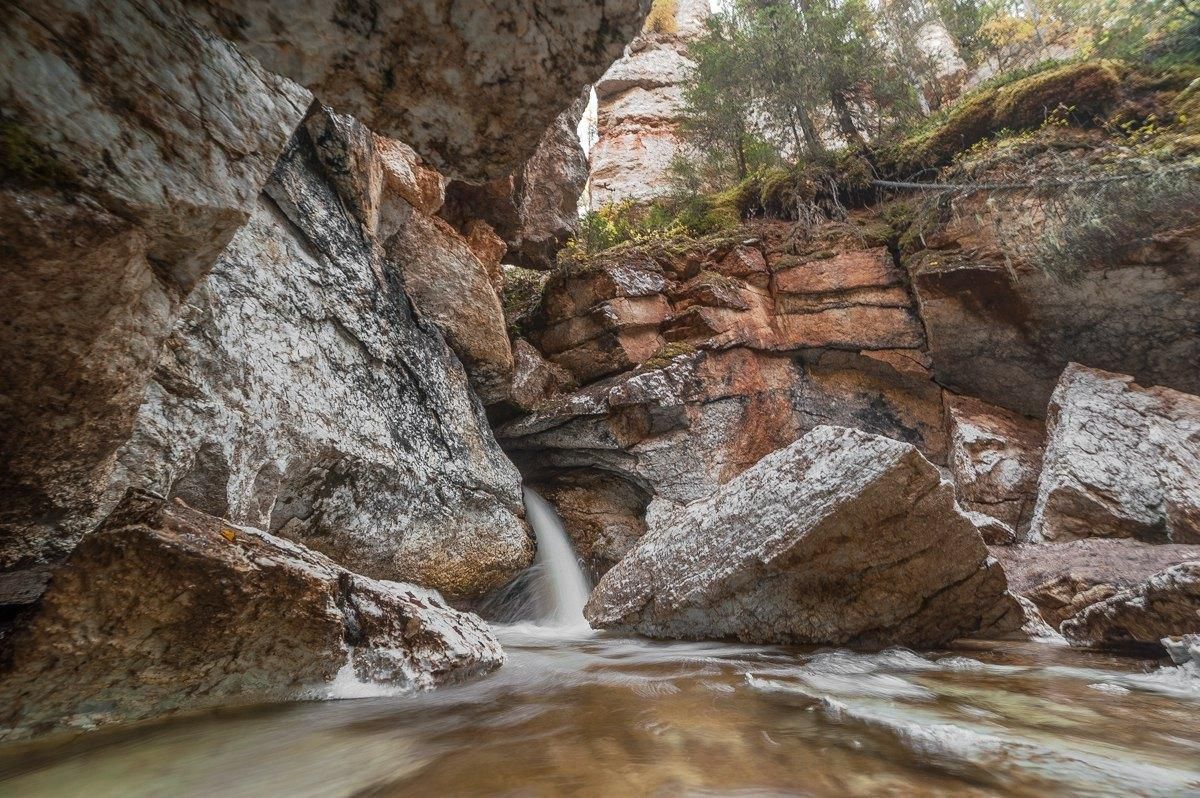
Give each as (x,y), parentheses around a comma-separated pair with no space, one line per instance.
(666,353)
(523,290)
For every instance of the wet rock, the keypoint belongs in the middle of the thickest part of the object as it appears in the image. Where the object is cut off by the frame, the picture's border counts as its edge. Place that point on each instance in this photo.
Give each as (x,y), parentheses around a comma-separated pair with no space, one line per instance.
(300,393)
(1063,579)
(136,146)
(1004,331)
(165,609)
(995,458)
(470,86)
(1121,461)
(1183,649)
(1165,605)
(841,538)
(603,514)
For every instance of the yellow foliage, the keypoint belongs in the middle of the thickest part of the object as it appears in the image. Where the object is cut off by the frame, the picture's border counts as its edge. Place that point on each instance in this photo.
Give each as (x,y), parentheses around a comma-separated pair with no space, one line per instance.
(661,18)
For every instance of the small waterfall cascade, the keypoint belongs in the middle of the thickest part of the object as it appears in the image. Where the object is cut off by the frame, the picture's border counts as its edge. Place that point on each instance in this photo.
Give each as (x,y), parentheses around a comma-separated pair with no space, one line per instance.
(560,585)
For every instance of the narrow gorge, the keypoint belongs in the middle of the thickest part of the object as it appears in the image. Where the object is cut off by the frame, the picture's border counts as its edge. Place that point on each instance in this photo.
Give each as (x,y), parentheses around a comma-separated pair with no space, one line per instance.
(599,398)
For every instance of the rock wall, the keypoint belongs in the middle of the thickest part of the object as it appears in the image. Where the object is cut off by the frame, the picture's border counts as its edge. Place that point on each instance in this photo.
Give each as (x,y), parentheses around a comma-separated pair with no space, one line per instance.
(136,145)
(1004,331)
(638,105)
(302,394)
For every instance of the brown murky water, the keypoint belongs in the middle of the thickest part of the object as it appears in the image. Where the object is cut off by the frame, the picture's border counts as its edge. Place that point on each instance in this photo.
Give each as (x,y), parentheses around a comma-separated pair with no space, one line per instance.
(592,715)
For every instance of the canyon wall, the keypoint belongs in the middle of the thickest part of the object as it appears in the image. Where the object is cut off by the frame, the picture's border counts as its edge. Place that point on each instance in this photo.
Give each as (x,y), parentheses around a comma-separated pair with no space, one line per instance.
(638,104)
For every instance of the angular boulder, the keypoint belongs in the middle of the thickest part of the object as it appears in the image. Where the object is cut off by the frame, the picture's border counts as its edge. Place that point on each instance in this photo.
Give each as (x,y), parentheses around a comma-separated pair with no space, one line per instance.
(471,86)
(1121,461)
(165,609)
(1165,605)
(995,458)
(1063,579)
(300,392)
(841,538)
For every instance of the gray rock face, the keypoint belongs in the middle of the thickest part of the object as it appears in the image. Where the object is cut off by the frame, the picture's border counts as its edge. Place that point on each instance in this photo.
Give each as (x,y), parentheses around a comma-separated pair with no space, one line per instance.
(143,142)
(995,458)
(299,393)
(471,86)
(1121,461)
(165,609)
(841,538)
(1165,605)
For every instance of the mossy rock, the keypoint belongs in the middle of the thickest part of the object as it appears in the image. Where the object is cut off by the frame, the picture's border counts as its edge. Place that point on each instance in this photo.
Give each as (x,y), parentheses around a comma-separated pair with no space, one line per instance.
(1088,89)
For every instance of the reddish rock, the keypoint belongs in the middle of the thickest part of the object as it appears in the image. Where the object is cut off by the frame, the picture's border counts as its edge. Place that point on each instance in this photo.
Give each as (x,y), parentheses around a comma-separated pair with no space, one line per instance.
(869,268)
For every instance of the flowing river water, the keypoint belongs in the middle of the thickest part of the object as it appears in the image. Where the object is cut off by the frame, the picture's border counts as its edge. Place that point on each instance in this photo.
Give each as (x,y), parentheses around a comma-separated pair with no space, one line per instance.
(575,712)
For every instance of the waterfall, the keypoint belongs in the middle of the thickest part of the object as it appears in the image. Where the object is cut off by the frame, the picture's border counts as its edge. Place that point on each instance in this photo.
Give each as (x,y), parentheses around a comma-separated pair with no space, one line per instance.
(560,585)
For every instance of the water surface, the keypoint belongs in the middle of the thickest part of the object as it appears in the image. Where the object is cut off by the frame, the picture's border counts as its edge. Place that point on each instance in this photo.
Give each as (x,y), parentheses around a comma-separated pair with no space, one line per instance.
(586,714)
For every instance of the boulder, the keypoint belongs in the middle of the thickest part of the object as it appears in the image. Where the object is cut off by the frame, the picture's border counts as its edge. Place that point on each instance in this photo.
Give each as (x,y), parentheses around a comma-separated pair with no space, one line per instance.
(842,538)
(1121,461)
(135,145)
(470,86)
(1063,579)
(1165,605)
(995,457)
(301,394)
(536,209)
(164,609)
(452,289)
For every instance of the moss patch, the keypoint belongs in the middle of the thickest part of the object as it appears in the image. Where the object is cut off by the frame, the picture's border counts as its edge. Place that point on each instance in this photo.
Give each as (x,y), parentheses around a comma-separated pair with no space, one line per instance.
(1086,90)
(666,354)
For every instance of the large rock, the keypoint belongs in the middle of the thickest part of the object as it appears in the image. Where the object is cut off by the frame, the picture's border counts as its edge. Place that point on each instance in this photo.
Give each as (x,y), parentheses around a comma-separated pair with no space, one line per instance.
(841,538)
(299,393)
(165,609)
(536,209)
(1165,605)
(1063,579)
(1003,330)
(135,145)
(1121,461)
(639,103)
(471,86)
(995,458)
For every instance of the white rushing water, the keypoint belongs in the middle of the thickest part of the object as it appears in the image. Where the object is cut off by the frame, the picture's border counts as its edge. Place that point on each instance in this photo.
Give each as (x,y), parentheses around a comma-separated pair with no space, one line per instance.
(560,584)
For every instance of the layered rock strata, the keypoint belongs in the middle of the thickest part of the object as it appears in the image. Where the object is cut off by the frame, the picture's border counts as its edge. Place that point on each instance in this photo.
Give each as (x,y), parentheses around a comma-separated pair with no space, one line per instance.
(301,393)
(136,144)
(842,538)
(1121,461)
(165,609)
(471,86)
(639,101)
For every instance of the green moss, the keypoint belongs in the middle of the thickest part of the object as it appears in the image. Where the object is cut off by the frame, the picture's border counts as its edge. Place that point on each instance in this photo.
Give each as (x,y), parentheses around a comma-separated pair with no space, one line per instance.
(666,354)
(26,163)
(1087,90)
